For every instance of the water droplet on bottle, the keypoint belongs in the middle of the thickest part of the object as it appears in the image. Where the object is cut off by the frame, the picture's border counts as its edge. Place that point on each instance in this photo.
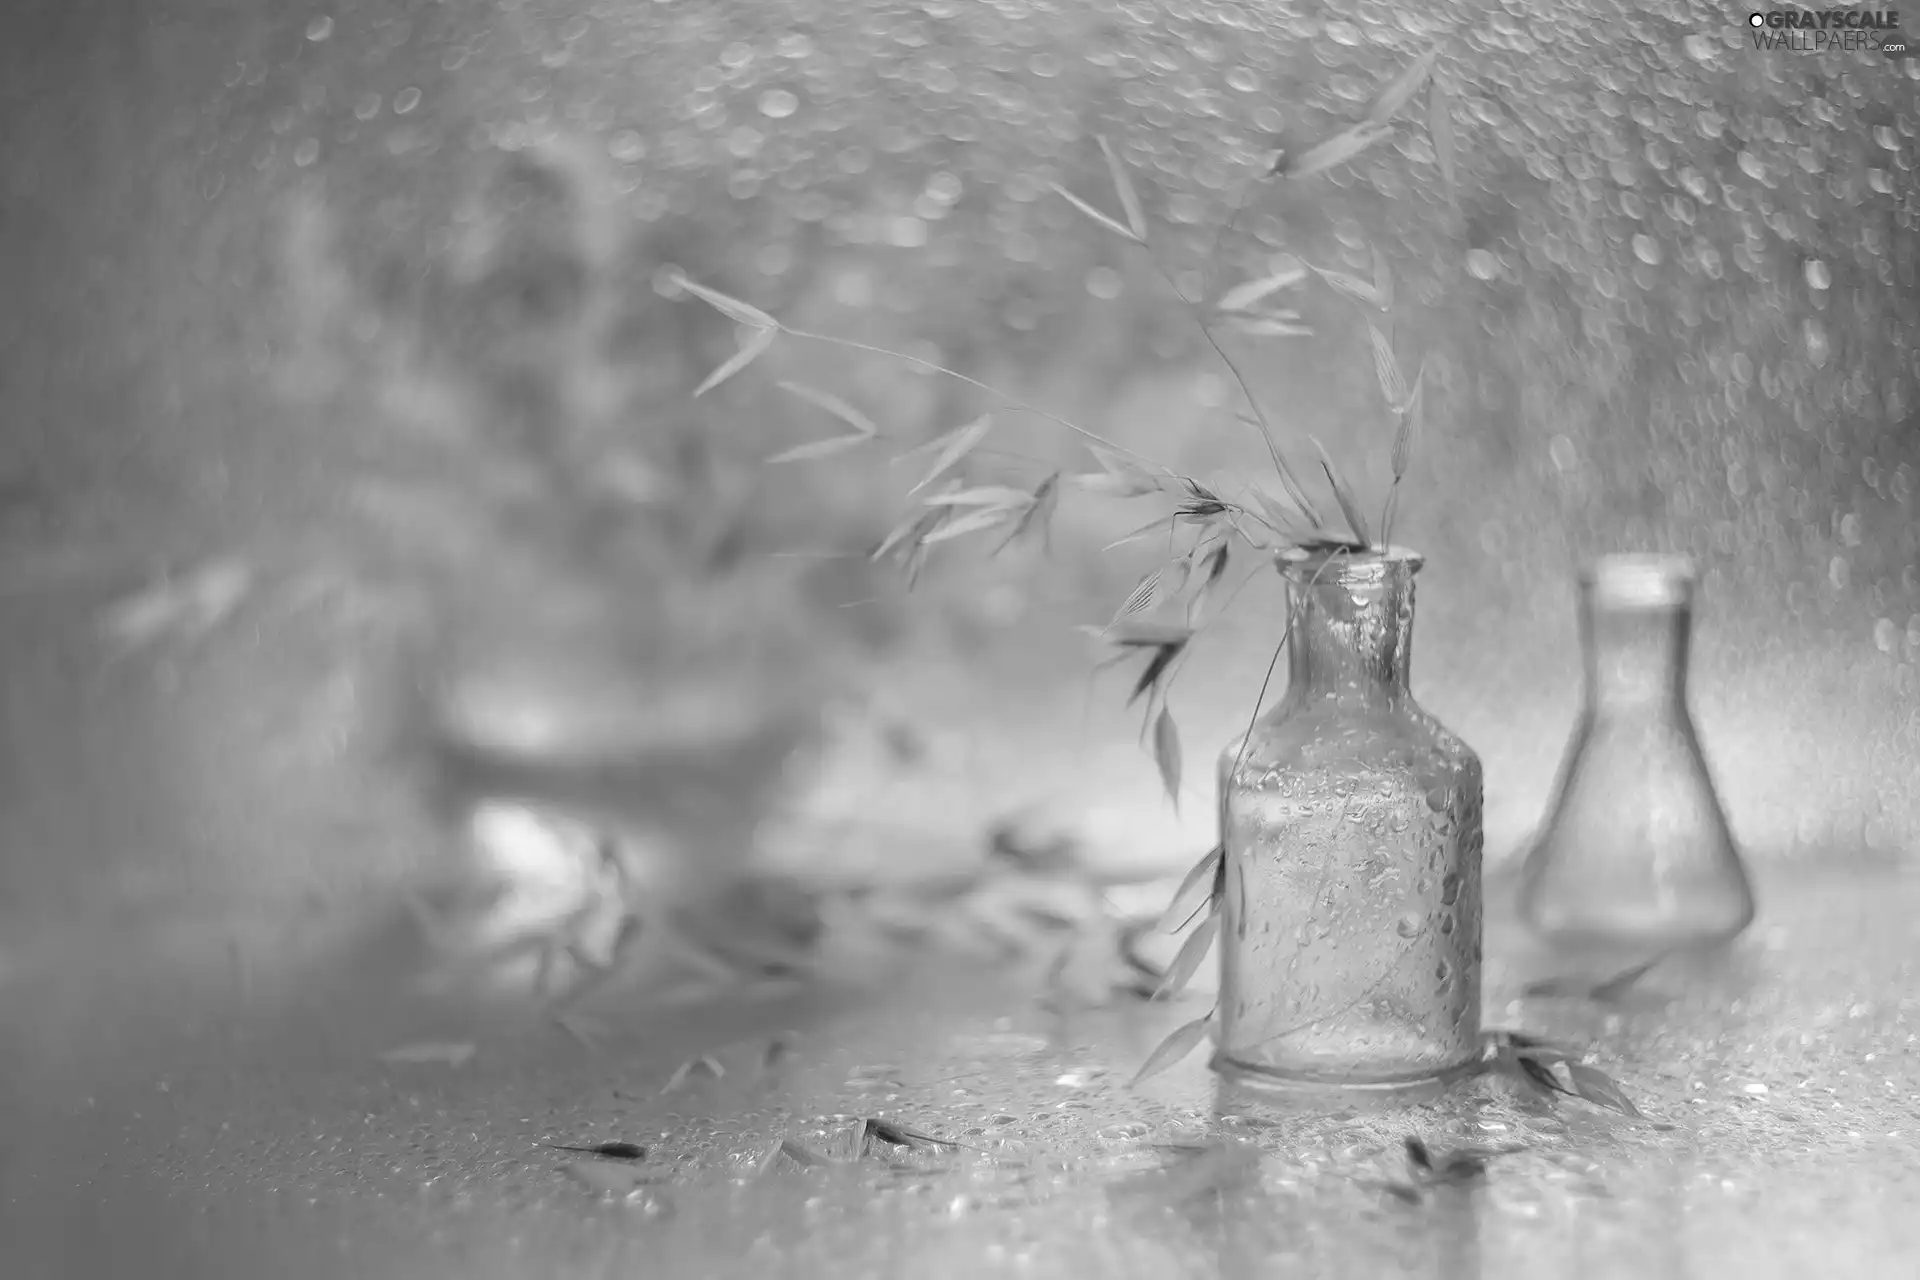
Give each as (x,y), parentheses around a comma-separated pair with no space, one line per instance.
(1450,888)
(1437,799)
(1409,925)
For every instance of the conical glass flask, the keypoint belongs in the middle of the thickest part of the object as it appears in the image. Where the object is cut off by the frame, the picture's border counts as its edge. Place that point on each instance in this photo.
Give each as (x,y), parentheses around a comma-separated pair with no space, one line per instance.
(1636,852)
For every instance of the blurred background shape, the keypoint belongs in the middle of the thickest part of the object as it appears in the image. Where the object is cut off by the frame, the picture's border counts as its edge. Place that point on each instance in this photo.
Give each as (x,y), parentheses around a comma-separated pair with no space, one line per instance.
(349,450)
(1635,855)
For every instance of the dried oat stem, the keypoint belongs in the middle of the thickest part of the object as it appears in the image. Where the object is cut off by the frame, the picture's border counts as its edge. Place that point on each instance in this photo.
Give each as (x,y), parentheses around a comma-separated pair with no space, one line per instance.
(1224,230)
(1319,887)
(1011,401)
(1280,467)
(1294,609)
(1331,1014)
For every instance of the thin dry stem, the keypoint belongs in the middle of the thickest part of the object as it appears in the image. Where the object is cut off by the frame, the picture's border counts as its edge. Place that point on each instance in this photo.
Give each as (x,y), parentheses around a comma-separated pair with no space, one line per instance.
(1388,512)
(1371,990)
(1287,477)
(1221,233)
(1313,899)
(1012,402)
(1294,609)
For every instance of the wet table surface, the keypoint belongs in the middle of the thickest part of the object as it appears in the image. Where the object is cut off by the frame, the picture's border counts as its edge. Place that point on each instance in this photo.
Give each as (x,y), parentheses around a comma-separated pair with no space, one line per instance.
(1780,1092)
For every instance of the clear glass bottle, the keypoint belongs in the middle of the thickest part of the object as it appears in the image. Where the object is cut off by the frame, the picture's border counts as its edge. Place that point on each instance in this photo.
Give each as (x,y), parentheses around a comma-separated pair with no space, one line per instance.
(1351,820)
(1636,853)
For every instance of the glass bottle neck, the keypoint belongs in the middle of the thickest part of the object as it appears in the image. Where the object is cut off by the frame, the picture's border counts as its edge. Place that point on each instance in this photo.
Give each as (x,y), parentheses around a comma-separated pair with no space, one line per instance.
(1636,656)
(1352,631)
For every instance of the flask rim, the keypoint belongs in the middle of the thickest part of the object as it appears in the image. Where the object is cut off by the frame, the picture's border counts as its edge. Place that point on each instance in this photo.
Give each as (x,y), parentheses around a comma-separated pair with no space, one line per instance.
(1640,580)
(1300,564)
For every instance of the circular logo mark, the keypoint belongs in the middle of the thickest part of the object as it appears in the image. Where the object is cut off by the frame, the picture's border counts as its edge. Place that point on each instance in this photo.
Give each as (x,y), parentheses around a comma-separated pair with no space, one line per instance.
(1756,19)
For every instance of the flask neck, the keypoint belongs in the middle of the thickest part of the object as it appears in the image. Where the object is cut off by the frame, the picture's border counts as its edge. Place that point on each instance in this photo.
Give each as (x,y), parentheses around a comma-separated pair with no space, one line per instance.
(1636,657)
(1352,628)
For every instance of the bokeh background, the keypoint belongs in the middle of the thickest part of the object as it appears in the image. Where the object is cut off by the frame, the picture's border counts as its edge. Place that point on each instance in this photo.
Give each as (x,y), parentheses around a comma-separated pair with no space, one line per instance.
(369,297)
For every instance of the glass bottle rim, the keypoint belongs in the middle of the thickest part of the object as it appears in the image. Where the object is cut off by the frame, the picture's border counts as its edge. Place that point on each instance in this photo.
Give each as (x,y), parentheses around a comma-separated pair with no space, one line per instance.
(1301,563)
(1640,580)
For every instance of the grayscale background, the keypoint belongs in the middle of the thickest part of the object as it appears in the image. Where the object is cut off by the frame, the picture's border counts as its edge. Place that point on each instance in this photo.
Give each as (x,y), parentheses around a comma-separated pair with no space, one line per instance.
(265,296)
